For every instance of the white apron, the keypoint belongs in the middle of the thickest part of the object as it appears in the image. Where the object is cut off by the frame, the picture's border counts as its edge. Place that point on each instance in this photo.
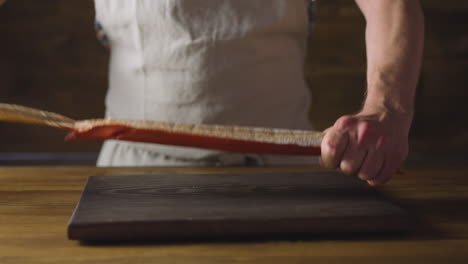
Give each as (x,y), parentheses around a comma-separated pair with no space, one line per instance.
(232,62)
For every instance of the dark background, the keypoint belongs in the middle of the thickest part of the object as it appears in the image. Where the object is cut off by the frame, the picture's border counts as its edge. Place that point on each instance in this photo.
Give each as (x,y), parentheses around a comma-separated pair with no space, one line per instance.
(50,59)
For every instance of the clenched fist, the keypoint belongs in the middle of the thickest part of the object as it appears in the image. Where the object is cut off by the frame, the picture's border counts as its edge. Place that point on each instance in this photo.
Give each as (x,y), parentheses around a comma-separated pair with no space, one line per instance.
(370,145)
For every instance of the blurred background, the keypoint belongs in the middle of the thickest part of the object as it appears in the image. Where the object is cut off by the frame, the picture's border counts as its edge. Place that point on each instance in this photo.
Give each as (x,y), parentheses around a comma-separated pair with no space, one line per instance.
(50,59)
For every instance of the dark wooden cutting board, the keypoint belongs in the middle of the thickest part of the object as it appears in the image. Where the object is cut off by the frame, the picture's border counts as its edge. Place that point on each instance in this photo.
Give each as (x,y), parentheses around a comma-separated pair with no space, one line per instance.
(230,205)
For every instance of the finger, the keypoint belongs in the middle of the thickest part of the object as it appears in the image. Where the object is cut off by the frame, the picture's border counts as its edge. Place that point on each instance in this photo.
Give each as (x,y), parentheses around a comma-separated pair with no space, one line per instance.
(372,165)
(333,146)
(361,136)
(335,141)
(374,161)
(393,161)
(388,170)
(353,156)
(345,123)
(367,133)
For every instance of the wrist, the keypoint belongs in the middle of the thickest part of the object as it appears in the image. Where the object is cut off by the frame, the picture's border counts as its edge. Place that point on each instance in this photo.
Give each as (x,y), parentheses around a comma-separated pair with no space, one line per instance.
(386,109)
(389,100)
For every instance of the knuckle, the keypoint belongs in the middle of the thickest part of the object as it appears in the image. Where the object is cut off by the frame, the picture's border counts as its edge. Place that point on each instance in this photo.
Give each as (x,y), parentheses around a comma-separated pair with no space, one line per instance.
(328,151)
(333,145)
(368,132)
(328,160)
(365,127)
(348,167)
(345,122)
(369,128)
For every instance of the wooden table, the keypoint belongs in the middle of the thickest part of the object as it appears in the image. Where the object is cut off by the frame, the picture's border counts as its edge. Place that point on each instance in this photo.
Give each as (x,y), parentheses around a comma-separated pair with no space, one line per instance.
(36,204)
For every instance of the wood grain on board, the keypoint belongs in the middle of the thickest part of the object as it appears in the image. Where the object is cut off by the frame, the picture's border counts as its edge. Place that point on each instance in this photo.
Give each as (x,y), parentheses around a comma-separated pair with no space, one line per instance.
(175,206)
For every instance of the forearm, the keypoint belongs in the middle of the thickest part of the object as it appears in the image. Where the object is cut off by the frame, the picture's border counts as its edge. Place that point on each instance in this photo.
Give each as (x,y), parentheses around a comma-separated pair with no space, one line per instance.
(373,143)
(394,39)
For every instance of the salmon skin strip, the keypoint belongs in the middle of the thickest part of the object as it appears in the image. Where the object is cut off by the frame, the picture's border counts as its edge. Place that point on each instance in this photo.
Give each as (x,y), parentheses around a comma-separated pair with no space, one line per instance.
(22,114)
(226,138)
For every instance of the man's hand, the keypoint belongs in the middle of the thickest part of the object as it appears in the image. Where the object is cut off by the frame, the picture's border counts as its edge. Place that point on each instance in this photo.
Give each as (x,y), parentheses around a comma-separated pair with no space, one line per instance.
(370,145)
(2,2)
(373,143)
